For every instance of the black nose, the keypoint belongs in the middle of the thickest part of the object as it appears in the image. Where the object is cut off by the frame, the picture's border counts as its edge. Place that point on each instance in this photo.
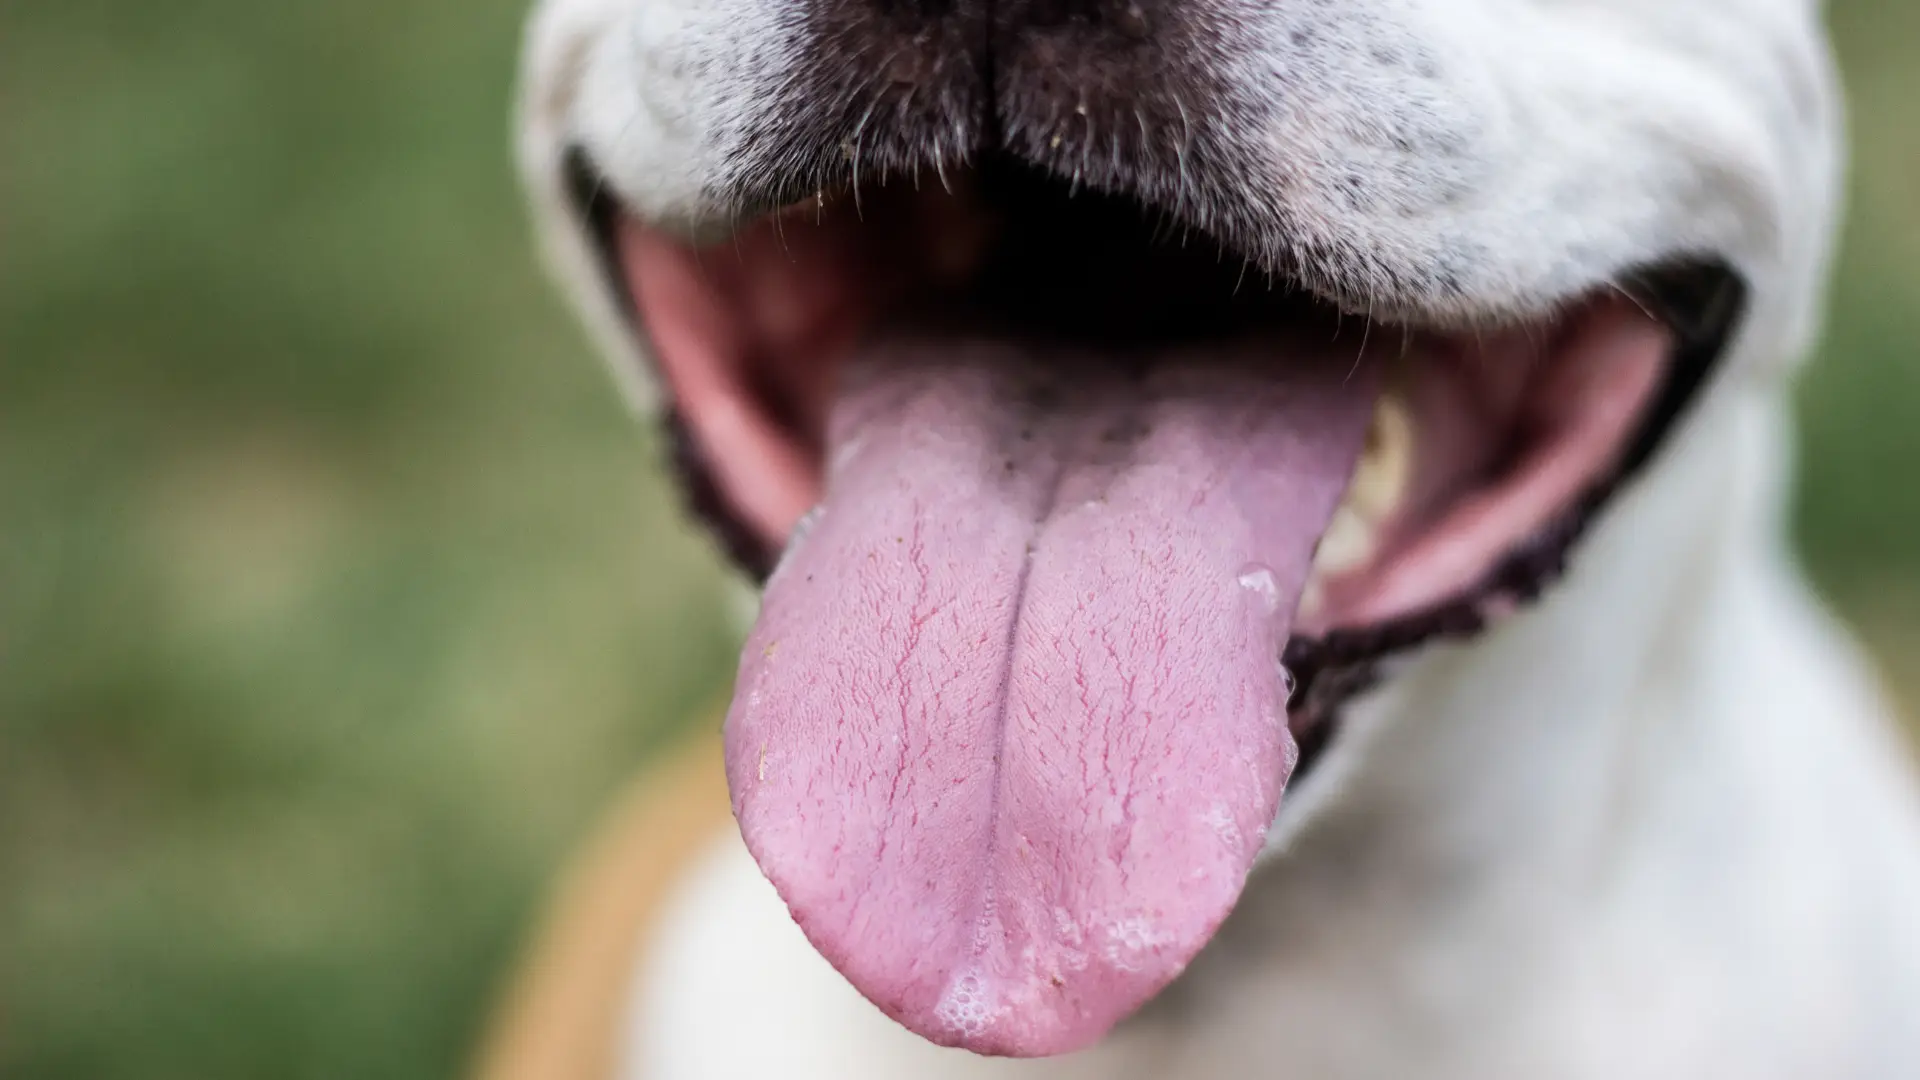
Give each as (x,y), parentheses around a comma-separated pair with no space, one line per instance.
(1007,14)
(1080,80)
(1103,92)
(1127,17)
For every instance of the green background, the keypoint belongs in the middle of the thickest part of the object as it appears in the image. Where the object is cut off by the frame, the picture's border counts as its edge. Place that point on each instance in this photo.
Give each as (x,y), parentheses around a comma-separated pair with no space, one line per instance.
(336,590)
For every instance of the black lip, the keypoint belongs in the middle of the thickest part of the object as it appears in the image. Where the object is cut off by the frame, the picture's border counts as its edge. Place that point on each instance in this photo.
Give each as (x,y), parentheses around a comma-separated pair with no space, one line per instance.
(1701,298)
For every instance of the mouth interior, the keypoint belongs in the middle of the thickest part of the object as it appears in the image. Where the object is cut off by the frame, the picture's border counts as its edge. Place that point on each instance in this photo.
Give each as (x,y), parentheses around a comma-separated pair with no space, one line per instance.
(1483,436)
(1063,483)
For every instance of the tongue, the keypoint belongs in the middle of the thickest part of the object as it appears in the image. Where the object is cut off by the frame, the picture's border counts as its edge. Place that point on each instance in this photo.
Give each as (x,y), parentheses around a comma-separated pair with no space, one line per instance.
(1012,726)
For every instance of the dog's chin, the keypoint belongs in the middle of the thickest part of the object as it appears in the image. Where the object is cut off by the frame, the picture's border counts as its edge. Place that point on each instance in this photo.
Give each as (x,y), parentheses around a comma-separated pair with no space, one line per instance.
(1046,484)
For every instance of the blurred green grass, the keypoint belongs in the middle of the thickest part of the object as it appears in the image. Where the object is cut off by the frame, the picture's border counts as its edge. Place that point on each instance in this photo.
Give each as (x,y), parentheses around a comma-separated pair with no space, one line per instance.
(336,589)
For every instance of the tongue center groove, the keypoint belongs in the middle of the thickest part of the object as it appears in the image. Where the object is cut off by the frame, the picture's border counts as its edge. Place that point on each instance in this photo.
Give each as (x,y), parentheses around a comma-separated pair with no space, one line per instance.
(965,984)
(1009,778)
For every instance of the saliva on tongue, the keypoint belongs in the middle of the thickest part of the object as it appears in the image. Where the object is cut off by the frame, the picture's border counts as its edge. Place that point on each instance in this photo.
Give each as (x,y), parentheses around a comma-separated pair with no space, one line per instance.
(1011,726)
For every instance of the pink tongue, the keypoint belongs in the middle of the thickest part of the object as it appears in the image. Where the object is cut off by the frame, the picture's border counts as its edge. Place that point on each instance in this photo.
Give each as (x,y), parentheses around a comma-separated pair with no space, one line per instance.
(1012,726)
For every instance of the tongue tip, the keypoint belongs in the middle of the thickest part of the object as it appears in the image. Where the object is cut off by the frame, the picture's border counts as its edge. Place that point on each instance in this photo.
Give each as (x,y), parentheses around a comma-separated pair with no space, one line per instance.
(970,1006)
(976,952)
(1037,1016)
(965,1019)
(973,984)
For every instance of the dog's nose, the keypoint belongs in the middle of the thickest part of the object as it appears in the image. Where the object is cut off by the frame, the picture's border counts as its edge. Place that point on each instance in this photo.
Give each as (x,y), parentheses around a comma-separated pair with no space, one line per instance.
(1127,15)
(917,40)
(993,33)
(1078,74)
(1115,93)
(1129,18)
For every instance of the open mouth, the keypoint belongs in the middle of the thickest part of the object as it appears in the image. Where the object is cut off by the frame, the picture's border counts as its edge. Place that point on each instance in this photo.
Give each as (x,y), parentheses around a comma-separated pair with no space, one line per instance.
(1053,487)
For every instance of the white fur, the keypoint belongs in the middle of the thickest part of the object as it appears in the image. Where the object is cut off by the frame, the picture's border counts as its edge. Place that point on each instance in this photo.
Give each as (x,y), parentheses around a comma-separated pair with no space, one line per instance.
(1654,827)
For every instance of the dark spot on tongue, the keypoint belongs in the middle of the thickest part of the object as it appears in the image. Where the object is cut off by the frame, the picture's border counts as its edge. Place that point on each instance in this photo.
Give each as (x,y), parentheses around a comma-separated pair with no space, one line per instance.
(1011,727)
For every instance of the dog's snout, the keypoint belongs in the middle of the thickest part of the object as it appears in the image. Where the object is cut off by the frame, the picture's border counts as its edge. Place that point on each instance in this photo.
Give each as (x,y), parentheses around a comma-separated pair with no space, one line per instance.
(1125,16)
(985,34)
(1109,92)
(913,39)
(1091,87)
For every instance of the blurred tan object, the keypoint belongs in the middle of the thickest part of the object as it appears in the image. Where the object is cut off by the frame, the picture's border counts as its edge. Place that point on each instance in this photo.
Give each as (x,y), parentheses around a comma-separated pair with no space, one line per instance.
(560,1017)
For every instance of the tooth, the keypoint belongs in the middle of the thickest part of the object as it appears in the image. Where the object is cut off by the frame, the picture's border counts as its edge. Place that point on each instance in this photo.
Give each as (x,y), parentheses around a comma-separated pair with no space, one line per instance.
(1380,481)
(1313,599)
(1346,545)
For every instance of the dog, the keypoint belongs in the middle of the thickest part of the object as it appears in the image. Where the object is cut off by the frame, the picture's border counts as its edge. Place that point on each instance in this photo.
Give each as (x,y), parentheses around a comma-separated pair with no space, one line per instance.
(1270,517)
